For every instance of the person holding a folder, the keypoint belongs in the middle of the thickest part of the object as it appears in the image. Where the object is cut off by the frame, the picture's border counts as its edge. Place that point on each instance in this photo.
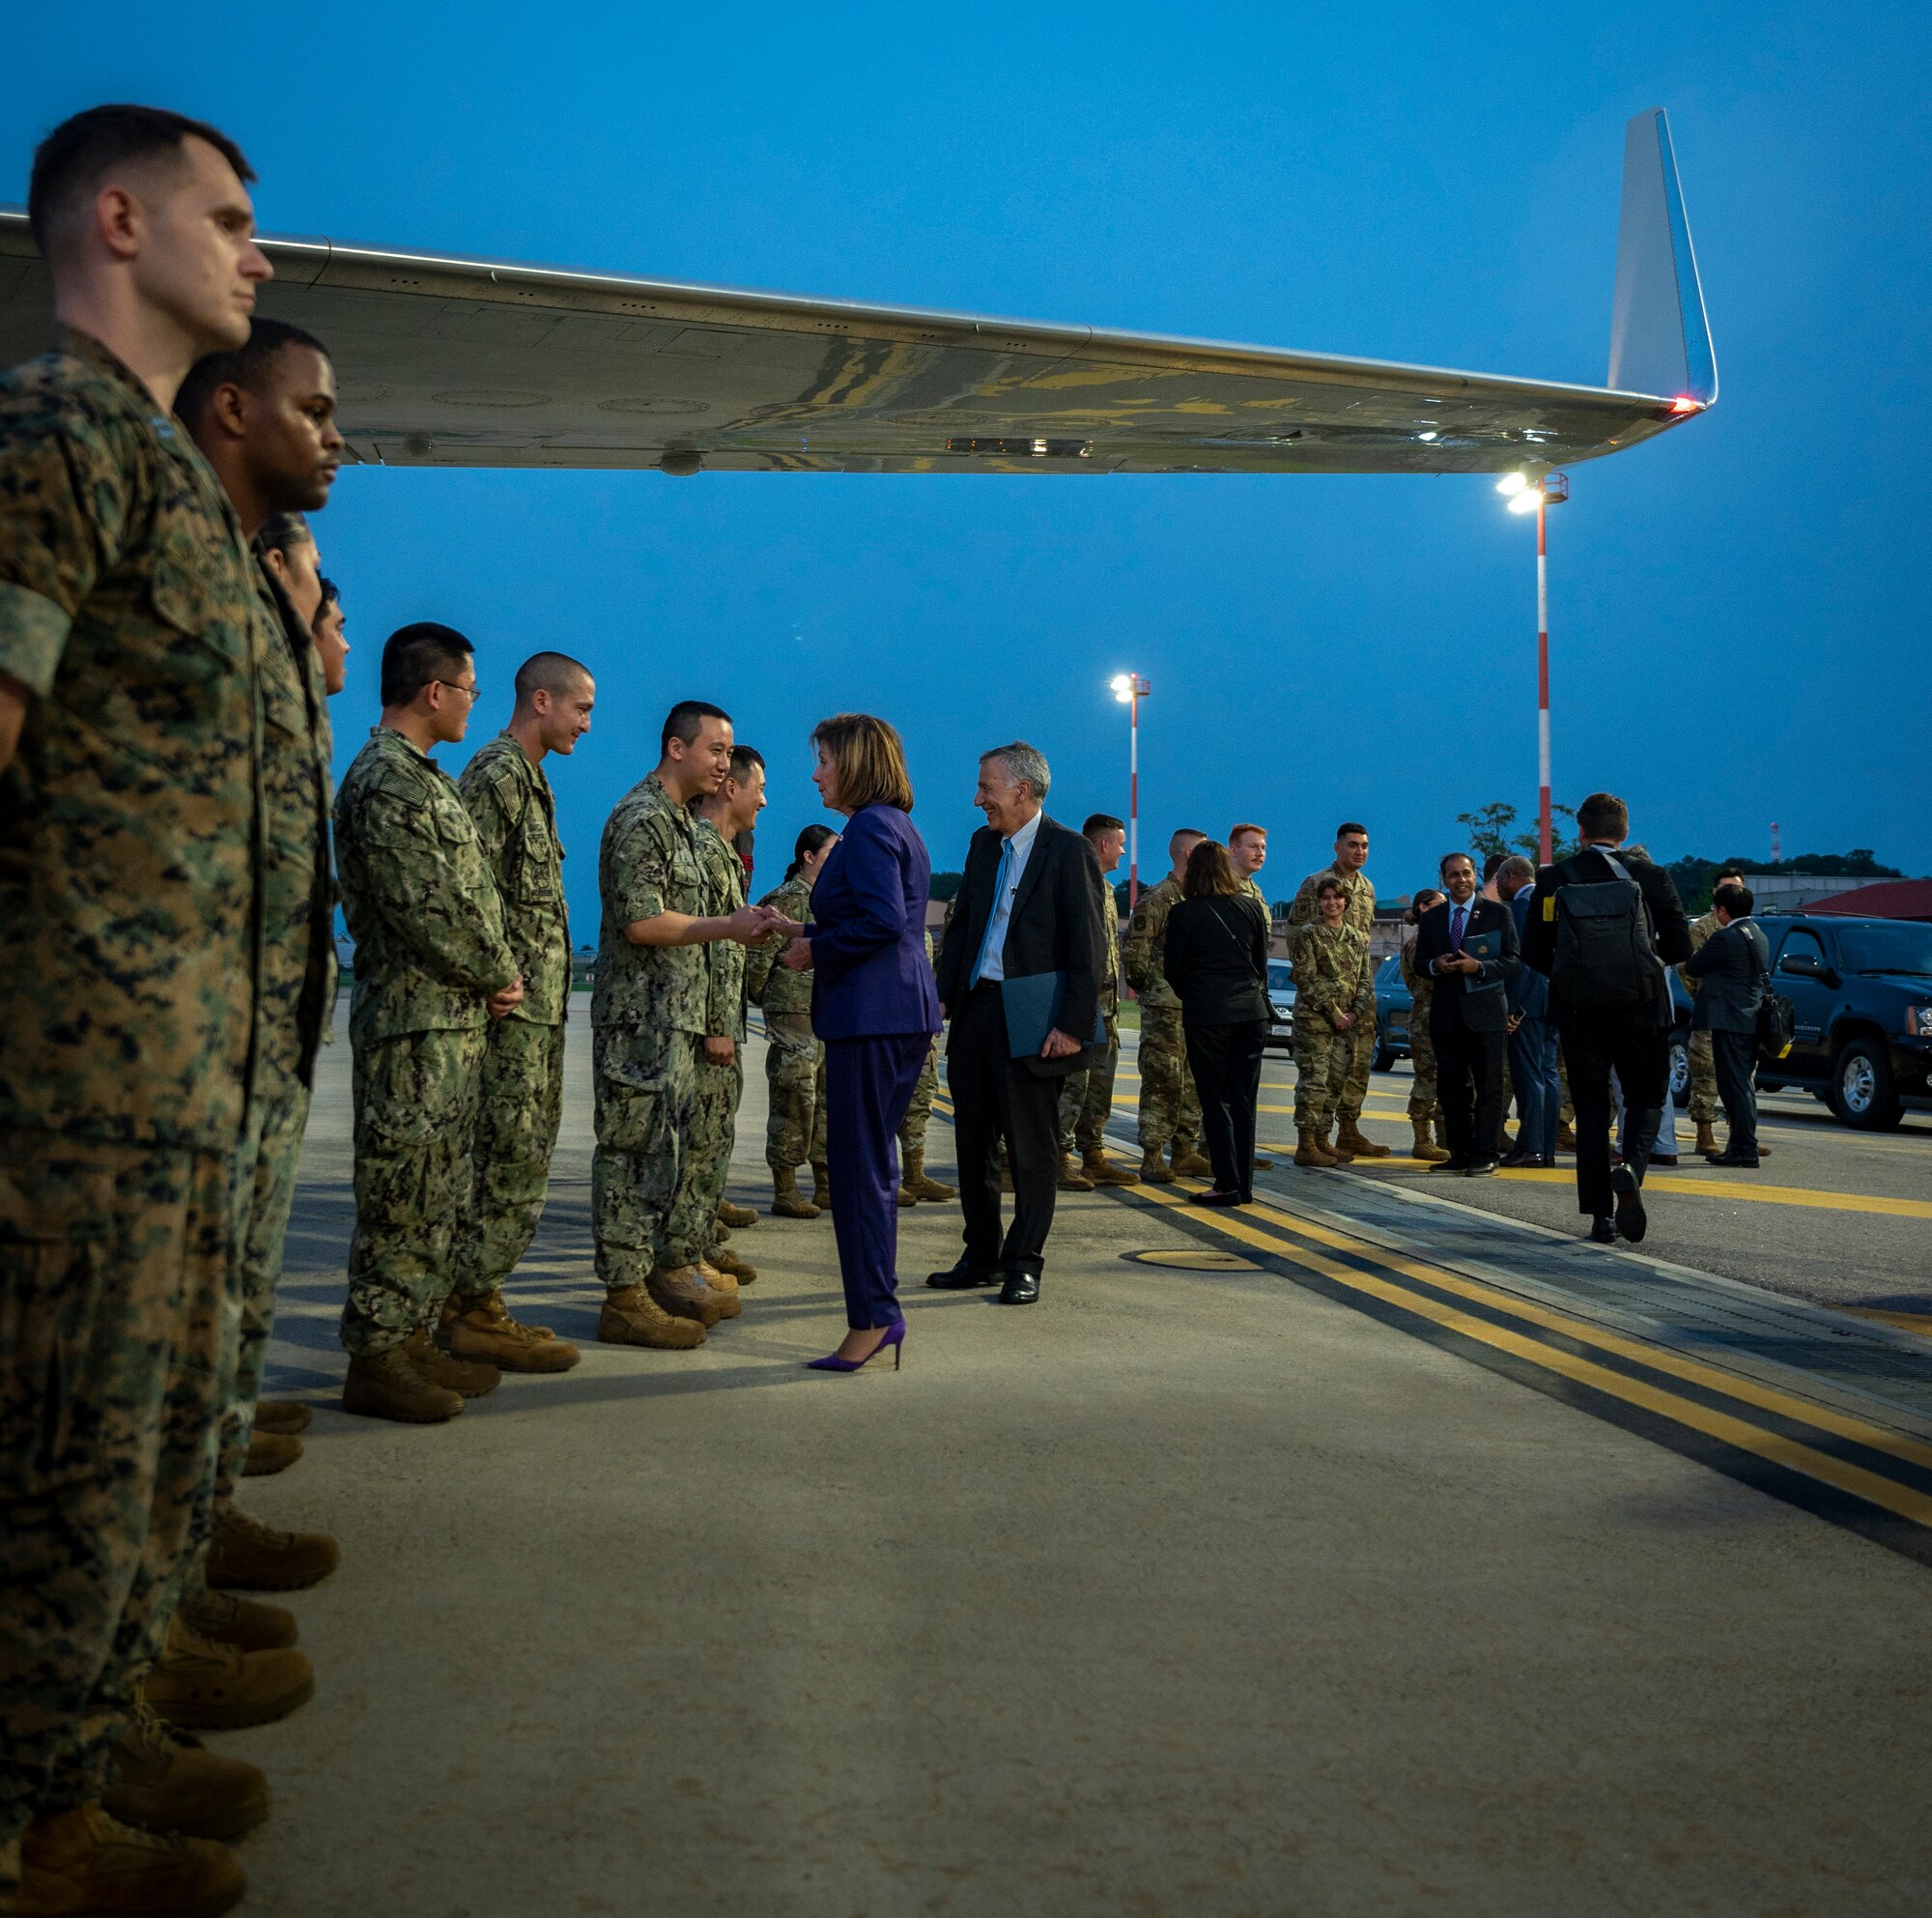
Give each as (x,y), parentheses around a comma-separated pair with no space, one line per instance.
(1468,947)
(1020,978)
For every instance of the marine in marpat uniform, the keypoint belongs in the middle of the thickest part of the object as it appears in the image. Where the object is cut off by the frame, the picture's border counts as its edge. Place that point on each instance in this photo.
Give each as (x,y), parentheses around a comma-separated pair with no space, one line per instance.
(1349,1061)
(1424,1109)
(1087,1097)
(132,633)
(1170,1112)
(520,1099)
(1334,994)
(794,1055)
(649,1016)
(433,969)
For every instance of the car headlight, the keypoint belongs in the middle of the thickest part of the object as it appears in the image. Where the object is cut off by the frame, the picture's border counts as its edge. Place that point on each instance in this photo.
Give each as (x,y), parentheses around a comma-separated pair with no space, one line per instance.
(1919,1021)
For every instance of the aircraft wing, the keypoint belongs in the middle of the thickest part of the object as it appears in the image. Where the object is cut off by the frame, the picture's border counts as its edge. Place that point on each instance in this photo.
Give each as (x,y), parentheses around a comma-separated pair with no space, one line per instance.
(459,362)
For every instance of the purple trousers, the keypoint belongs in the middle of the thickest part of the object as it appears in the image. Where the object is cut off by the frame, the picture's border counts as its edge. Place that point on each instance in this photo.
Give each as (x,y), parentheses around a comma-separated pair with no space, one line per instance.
(868,1085)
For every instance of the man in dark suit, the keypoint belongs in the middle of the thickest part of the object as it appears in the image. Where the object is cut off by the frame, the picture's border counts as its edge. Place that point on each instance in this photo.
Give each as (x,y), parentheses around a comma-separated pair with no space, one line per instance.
(1612,1011)
(1028,906)
(1532,1038)
(1733,967)
(1468,1012)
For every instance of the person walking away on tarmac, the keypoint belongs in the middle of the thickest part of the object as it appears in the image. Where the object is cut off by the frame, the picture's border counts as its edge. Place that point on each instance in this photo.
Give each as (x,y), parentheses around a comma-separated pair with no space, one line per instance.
(794,1056)
(433,968)
(1086,1099)
(1350,1064)
(132,628)
(1332,988)
(519,1087)
(649,1017)
(1169,1110)
(1424,1109)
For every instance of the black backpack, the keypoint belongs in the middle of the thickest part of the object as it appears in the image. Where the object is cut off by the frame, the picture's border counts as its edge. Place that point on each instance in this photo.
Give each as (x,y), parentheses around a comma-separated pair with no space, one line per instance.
(1606,948)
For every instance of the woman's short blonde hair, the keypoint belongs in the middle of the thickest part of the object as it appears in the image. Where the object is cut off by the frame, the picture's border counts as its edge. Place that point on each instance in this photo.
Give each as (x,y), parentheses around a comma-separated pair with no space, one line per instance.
(867,761)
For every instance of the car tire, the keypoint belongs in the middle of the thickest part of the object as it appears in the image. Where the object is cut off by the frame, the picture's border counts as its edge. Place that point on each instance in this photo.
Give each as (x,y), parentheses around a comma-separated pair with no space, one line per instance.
(1385,1058)
(1862,1094)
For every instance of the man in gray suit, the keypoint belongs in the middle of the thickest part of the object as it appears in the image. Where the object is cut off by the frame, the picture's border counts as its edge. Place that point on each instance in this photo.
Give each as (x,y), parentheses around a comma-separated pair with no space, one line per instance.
(1733,969)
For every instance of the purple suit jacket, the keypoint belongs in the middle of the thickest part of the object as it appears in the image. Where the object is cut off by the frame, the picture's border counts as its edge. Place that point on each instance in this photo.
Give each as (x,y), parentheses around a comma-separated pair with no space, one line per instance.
(869,972)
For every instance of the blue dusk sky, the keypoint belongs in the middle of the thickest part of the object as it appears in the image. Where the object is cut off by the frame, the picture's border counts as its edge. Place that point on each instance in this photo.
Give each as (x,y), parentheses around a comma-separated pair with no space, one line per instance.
(1739,609)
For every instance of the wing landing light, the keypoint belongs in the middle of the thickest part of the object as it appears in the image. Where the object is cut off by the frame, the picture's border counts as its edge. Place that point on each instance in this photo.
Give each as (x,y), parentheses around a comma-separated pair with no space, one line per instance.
(458,363)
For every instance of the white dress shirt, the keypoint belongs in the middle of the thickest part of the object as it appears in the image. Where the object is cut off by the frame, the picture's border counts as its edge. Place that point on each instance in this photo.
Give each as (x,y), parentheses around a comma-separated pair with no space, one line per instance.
(1021,843)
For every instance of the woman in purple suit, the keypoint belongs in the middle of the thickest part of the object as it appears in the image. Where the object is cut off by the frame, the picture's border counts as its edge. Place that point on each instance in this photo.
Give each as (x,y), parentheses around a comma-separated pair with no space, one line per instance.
(875,1007)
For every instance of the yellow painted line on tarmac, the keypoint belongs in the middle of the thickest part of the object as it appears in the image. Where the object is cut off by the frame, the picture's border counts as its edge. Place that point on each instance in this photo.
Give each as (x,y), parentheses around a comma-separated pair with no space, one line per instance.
(1918,1322)
(1737,1433)
(1741,1189)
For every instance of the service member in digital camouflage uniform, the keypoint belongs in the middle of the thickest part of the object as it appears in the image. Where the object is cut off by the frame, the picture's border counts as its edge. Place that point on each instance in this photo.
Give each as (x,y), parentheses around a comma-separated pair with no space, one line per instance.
(649,1016)
(133,628)
(1424,1109)
(794,1055)
(1350,1064)
(722,815)
(1334,994)
(433,969)
(520,1099)
(1086,1099)
(1170,1112)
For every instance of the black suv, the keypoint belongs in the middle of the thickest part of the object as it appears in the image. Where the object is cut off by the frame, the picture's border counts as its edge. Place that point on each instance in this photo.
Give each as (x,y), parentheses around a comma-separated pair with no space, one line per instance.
(1861,992)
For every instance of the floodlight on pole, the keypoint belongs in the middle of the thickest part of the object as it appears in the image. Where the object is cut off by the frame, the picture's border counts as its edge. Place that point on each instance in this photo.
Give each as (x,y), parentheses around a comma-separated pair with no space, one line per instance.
(1130,688)
(1537,495)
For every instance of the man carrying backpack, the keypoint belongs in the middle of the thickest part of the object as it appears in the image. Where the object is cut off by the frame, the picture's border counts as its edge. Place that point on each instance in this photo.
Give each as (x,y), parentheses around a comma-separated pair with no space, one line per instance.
(1605,932)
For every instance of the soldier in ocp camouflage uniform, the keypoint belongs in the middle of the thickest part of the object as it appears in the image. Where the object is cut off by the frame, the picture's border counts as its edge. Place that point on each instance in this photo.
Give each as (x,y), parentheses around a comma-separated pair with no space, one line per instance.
(520,1092)
(433,967)
(133,632)
(794,1056)
(1169,1112)
(1424,1109)
(1351,1059)
(1332,978)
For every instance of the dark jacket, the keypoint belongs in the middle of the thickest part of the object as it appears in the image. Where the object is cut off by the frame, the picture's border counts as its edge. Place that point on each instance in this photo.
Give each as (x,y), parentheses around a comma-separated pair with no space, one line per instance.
(1528,989)
(867,932)
(1477,1002)
(1669,927)
(1216,960)
(1733,966)
(1054,927)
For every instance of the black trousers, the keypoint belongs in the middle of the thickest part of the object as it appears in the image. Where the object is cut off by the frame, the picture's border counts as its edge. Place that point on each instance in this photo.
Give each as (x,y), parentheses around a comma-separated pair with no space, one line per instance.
(1734,1060)
(1225,1061)
(1469,1086)
(1637,1049)
(996,1097)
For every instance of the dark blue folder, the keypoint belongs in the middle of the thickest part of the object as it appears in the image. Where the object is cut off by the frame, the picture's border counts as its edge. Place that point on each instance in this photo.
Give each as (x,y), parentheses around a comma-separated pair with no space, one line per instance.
(1033,1002)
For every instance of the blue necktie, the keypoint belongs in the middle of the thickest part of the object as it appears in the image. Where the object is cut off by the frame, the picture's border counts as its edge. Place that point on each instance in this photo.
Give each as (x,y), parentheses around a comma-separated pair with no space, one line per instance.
(993,918)
(1456,930)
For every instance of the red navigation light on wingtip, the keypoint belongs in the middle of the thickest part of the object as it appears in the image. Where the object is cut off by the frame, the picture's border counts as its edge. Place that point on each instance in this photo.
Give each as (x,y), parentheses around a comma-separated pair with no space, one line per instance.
(1684,403)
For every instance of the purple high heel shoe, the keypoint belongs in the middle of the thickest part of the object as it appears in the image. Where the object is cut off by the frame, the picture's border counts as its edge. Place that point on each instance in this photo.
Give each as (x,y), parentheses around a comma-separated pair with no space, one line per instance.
(895,1339)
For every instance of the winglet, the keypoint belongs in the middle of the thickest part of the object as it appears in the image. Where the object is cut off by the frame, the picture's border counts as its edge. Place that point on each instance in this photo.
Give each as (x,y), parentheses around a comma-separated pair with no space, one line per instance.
(1659,334)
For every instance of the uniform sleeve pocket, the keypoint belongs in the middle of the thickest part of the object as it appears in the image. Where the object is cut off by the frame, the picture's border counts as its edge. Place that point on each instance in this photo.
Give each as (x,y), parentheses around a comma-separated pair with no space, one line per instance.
(185,604)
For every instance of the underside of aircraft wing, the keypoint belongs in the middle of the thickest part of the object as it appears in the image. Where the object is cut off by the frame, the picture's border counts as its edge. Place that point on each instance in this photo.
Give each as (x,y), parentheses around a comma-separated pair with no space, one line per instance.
(460,362)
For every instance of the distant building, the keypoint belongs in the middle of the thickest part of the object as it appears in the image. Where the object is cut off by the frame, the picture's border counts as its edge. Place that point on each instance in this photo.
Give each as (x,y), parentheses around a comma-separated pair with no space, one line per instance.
(1889,899)
(1795,892)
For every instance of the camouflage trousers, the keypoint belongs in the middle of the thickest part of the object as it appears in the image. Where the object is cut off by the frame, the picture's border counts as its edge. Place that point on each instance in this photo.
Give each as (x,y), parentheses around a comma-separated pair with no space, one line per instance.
(1086,1100)
(714,1132)
(1422,1102)
(416,1127)
(919,1114)
(519,1108)
(118,1323)
(1349,1073)
(1322,1057)
(1705,1106)
(641,1192)
(1169,1107)
(794,1091)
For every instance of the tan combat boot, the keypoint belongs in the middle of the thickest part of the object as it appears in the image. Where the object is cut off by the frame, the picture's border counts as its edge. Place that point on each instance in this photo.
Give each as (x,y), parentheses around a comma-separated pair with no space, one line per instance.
(1566,1137)
(1707,1136)
(388,1384)
(904,1196)
(245,1623)
(1153,1169)
(683,1293)
(210,1687)
(787,1201)
(1102,1170)
(913,1178)
(248,1556)
(457,1375)
(1071,1178)
(631,1316)
(1430,1154)
(483,1329)
(1350,1139)
(282,1415)
(735,1215)
(721,1286)
(1190,1161)
(168,1781)
(85,1860)
(1310,1151)
(740,1271)
(1334,1148)
(822,1187)
(270,1453)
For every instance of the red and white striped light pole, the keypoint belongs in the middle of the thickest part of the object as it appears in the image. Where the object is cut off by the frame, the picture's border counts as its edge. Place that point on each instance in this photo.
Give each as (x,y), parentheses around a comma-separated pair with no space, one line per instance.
(1130,688)
(1538,497)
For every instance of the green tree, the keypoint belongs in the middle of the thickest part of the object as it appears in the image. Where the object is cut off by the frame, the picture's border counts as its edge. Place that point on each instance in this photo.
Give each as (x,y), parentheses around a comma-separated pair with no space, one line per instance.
(945,885)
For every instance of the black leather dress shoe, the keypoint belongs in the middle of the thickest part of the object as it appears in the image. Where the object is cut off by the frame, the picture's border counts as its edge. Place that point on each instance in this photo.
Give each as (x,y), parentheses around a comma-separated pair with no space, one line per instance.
(1451,1165)
(1021,1288)
(1632,1221)
(959,1278)
(1480,1168)
(1603,1230)
(1728,1157)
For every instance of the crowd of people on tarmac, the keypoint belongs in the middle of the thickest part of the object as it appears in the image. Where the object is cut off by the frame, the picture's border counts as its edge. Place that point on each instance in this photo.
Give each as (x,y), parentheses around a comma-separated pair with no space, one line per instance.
(168,884)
